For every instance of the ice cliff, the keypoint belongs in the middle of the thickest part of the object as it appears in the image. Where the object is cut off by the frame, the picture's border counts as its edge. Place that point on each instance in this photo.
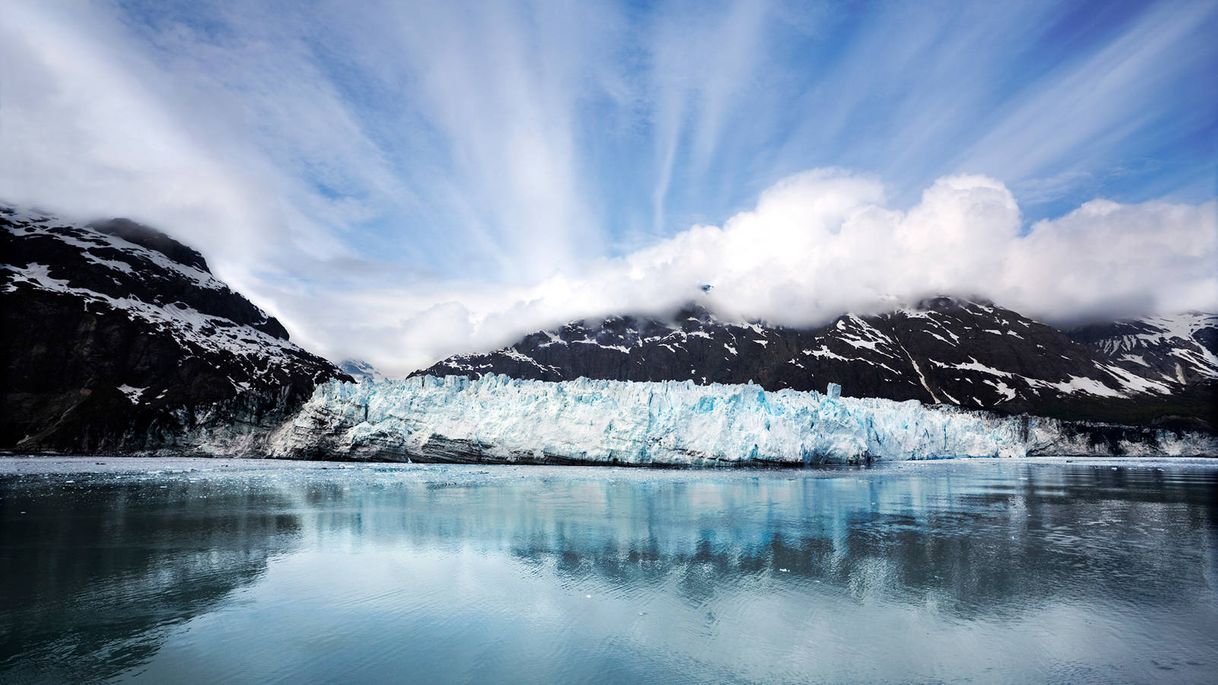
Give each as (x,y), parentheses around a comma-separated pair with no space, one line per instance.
(499,419)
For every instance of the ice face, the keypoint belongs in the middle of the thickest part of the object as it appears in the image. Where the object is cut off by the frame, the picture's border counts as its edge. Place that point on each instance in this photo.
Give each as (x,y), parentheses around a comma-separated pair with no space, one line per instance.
(496,418)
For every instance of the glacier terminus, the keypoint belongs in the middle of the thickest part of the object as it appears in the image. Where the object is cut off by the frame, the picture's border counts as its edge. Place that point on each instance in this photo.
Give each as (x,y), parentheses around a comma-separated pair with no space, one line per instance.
(674,423)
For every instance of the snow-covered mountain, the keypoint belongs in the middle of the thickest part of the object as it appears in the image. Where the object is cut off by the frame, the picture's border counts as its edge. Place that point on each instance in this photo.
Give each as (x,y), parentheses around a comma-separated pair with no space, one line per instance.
(1182,348)
(670,423)
(946,350)
(117,337)
(361,371)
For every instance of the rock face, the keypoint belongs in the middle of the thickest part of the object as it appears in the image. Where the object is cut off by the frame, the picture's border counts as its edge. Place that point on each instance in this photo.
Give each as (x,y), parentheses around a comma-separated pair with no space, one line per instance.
(117,338)
(952,351)
(670,423)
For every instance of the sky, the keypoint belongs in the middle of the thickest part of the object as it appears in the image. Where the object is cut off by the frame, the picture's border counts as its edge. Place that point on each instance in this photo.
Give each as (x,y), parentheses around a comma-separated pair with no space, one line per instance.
(401,181)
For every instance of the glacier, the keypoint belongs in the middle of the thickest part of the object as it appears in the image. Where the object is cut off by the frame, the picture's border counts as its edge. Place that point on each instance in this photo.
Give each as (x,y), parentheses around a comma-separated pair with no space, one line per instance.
(674,423)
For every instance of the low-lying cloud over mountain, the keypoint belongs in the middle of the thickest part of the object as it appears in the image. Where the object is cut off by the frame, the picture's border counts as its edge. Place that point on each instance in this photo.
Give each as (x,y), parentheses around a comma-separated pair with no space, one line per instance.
(824,242)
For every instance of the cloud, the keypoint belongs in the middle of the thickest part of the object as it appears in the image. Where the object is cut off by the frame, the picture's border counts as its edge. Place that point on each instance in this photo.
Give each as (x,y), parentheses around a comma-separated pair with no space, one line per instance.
(1107,259)
(90,127)
(1098,104)
(824,242)
(401,182)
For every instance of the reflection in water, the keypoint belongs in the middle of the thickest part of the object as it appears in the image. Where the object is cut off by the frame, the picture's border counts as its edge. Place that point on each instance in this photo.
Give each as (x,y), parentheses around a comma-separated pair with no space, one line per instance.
(998,571)
(95,577)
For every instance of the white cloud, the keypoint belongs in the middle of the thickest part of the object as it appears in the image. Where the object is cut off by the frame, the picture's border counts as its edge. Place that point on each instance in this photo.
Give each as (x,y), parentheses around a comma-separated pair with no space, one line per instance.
(824,242)
(1108,259)
(700,65)
(498,90)
(90,127)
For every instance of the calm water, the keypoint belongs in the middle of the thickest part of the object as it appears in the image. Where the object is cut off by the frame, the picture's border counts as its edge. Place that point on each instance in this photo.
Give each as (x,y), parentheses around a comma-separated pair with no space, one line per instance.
(210,571)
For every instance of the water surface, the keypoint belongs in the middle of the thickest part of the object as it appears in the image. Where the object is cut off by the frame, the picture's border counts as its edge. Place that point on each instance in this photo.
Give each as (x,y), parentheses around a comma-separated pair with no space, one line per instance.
(999,571)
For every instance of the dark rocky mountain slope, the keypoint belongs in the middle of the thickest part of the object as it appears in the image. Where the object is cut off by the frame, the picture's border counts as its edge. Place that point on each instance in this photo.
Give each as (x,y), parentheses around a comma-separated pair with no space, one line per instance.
(970,353)
(118,338)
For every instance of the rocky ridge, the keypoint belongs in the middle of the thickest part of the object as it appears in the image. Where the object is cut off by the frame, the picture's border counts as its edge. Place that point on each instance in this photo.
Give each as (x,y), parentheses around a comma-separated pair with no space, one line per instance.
(118,338)
(945,350)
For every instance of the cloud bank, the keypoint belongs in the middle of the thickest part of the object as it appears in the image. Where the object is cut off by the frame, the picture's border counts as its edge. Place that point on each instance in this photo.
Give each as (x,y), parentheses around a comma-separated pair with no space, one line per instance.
(824,242)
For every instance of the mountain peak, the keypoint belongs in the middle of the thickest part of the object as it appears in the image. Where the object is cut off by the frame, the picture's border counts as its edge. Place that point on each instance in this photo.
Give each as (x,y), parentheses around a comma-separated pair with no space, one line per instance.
(361,371)
(945,302)
(137,342)
(153,239)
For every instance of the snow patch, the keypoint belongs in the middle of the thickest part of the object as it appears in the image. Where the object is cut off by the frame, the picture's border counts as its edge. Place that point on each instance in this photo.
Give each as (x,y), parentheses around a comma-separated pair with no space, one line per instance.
(133,393)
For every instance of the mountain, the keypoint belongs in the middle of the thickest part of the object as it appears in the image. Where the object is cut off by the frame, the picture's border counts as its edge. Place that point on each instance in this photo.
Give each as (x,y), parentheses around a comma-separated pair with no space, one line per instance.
(361,371)
(117,337)
(945,350)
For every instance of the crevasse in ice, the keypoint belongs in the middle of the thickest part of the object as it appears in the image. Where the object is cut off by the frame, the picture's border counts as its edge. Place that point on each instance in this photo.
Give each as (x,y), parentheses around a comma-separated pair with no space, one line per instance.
(496,418)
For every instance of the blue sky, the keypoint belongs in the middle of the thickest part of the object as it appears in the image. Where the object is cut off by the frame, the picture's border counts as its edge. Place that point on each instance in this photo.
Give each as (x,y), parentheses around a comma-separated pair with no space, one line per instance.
(415,156)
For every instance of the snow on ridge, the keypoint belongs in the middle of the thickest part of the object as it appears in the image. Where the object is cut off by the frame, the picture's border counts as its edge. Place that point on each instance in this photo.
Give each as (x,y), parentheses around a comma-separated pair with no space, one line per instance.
(113,265)
(513,353)
(1126,381)
(211,333)
(133,393)
(1006,391)
(1166,327)
(1136,383)
(1181,326)
(1078,384)
(89,239)
(617,348)
(825,352)
(1173,335)
(37,275)
(939,337)
(496,418)
(199,333)
(972,365)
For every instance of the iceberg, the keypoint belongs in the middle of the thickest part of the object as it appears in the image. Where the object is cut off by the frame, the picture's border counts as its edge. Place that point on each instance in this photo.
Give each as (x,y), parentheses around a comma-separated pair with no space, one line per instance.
(672,423)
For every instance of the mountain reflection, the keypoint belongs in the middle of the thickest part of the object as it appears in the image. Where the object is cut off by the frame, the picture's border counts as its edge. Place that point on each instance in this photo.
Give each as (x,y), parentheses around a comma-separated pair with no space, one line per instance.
(94,577)
(98,572)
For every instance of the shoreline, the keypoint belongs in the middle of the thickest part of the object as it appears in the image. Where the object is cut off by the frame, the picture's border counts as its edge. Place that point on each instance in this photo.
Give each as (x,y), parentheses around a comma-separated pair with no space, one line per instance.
(49,464)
